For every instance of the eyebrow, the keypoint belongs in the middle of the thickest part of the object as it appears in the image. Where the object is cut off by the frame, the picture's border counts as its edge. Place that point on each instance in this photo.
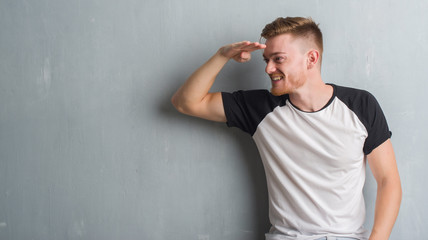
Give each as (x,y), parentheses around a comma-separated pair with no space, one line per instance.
(275,53)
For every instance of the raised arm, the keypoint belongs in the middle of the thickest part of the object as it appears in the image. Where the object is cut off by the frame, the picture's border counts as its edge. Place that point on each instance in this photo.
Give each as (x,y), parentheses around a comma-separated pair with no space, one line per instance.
(193,97)
(384,168)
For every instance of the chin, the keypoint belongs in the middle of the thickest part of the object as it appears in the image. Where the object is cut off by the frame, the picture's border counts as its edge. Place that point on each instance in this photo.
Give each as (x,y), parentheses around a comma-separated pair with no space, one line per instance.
(278,92)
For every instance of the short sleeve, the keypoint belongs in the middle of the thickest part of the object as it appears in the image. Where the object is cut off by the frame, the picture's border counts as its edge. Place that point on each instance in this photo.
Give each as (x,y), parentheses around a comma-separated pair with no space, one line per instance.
(368,110)
(377,126)
(246,109)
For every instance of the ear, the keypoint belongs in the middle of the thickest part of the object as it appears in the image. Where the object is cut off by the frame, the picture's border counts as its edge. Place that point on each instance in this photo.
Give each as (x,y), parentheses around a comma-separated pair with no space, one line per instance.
(312,58)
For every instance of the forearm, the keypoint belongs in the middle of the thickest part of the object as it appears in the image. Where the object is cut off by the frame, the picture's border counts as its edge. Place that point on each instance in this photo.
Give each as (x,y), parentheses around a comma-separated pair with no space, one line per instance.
(197,86)
(386,210)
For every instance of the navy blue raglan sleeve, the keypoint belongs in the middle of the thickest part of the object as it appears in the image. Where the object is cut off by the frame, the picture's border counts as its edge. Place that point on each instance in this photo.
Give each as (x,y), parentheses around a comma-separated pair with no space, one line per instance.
(246,109)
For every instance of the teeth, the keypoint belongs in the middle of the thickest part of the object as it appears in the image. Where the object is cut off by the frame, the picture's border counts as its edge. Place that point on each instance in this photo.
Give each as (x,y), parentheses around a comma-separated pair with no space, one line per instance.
(276,78)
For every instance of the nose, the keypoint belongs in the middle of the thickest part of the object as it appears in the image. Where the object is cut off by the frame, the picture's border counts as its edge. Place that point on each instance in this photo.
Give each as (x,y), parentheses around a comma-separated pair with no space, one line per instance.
(270,67)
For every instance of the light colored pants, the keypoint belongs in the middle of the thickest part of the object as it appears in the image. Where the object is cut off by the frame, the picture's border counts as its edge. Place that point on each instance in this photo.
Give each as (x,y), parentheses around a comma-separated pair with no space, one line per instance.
(336,238)
(279,237)
(276,235)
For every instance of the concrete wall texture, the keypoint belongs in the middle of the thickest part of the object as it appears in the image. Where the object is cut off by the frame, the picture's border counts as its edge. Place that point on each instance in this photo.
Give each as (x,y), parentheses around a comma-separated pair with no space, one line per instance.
(91,148)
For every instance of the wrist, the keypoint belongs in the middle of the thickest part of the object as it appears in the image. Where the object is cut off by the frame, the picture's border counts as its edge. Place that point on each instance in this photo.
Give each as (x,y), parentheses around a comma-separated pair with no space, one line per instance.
(220,54)
(220,58)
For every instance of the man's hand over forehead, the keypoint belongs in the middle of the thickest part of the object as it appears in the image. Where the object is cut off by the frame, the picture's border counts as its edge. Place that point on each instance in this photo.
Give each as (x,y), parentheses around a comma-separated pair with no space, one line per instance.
(240,51)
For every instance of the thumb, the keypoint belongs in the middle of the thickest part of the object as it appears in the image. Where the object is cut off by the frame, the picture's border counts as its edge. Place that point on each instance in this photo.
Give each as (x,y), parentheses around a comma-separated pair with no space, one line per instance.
(245,56)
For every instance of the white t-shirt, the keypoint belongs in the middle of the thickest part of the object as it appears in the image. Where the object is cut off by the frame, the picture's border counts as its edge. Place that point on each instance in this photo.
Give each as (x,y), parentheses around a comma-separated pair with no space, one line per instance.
(314,161)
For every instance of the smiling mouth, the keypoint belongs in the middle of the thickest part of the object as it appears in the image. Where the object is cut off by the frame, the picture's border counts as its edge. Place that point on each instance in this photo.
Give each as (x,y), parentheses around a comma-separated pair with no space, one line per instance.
(276,78)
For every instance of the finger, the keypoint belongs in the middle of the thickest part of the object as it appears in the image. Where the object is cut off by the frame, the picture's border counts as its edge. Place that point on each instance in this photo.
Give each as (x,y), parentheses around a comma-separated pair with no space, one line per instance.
(257,45)
(242,50)
(246,56)
(253,46)
(247,46)
(242,57)
(240,45)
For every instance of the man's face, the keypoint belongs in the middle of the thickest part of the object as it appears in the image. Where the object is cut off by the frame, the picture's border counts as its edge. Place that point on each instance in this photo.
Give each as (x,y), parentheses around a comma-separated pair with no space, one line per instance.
(285,63)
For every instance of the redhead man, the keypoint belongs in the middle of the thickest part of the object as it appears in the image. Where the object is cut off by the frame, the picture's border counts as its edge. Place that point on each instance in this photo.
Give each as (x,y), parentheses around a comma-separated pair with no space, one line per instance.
(314,138)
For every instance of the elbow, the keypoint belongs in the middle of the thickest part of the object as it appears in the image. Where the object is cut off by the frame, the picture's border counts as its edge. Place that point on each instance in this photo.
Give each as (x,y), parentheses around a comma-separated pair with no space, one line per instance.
(175,102)
(178,104)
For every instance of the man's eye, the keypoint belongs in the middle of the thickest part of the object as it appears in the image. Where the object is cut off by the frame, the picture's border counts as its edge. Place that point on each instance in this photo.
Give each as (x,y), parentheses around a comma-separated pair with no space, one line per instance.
(279,59)
(266,60)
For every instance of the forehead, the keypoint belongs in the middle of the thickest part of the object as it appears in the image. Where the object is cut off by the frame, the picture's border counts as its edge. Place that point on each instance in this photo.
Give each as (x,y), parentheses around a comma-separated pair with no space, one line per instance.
(284,43)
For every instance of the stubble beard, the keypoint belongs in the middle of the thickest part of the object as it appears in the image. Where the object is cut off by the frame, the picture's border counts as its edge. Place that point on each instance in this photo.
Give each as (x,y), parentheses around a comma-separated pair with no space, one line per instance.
(278,92)
(286,88)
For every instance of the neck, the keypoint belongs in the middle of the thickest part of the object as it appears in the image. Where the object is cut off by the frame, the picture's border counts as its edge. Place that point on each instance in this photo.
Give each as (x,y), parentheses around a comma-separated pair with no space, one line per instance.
(312,97)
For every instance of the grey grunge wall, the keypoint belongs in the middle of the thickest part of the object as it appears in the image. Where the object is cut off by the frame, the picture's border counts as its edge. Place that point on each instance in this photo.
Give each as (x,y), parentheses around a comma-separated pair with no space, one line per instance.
(91,147)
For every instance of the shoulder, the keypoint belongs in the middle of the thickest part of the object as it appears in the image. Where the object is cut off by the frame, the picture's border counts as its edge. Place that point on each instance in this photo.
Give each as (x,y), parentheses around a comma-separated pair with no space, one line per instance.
(368,110)
(351,93)
(251,93)
(246,109)
(356,99)
(260,97)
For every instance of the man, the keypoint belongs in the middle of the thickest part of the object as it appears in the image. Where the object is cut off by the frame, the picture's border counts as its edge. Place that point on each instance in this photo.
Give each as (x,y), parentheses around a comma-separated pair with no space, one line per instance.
(313,137)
